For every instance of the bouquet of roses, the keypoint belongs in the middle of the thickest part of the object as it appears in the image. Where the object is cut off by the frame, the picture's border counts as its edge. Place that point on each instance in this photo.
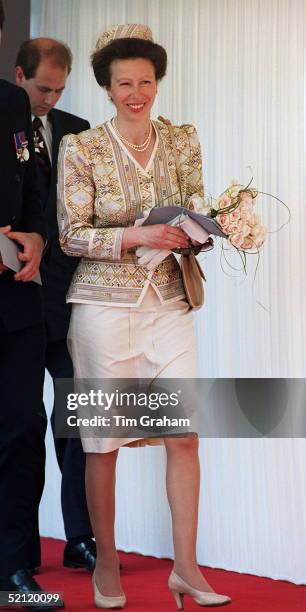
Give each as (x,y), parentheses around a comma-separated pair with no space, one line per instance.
(234,211)
(231,216)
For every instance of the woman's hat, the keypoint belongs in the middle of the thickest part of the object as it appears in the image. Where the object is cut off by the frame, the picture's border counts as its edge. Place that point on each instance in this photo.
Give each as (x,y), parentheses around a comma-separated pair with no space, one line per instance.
(127,30)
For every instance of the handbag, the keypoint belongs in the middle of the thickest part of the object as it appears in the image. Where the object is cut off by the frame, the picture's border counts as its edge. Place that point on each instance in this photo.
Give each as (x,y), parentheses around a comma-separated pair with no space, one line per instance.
(192,273)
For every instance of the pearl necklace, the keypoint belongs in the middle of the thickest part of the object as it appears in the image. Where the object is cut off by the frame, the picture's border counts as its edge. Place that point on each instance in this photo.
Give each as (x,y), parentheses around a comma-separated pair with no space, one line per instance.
(141,147)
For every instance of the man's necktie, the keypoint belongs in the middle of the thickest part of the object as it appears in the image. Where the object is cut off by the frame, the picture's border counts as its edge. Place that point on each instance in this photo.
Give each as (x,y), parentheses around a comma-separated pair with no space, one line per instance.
(41,150)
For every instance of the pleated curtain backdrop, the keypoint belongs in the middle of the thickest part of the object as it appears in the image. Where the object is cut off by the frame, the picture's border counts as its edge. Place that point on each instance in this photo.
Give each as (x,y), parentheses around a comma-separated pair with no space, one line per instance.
(236,70)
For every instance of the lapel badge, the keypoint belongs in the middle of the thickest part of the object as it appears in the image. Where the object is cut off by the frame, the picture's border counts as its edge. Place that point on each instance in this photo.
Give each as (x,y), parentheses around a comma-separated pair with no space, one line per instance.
(21,146)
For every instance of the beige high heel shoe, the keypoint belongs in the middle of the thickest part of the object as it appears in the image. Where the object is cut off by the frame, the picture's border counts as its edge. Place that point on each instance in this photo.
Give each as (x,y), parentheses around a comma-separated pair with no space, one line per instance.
(179,588)
(102,601)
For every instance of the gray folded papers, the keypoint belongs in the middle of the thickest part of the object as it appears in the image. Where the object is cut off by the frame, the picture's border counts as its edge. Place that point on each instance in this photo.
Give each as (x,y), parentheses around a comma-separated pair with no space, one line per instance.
(165,214)
(195,225)
(9,254)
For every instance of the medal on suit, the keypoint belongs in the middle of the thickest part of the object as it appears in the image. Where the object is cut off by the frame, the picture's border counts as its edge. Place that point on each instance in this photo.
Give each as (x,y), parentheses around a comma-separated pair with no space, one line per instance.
(21,146)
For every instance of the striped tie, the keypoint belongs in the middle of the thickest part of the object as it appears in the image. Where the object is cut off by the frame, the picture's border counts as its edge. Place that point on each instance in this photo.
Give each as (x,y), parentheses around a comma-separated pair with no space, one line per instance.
(41,150)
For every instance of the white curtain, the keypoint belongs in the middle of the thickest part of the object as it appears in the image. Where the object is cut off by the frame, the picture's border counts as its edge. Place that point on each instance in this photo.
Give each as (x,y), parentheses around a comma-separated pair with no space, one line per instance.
(236,71)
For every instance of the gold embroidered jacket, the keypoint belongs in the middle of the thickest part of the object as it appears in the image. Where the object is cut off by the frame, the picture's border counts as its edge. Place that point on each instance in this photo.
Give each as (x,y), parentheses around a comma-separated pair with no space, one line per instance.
(101,190)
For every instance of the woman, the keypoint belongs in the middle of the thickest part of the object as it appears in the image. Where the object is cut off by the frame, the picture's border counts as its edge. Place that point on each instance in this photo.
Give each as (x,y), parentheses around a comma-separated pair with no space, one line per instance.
(127,322)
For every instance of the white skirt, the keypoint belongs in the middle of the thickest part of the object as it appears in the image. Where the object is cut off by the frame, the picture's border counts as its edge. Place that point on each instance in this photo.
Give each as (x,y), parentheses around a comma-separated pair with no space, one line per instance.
(152,340)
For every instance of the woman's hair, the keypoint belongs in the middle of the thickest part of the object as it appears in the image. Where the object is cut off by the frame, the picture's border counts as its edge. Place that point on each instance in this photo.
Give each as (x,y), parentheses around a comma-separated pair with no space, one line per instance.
(127,48)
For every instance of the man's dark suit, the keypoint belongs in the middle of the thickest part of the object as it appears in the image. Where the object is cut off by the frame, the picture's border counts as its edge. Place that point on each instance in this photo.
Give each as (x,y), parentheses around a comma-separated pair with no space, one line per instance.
(57,270)
(22,417)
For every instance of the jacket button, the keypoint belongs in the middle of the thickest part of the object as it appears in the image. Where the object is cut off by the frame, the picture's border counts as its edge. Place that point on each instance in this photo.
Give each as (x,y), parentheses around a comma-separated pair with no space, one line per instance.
(17,178)
(13,218)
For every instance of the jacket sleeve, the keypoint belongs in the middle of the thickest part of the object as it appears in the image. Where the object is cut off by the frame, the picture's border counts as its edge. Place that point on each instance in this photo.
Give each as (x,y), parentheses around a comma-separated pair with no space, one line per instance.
(32,212)
(190,157)
(78,232)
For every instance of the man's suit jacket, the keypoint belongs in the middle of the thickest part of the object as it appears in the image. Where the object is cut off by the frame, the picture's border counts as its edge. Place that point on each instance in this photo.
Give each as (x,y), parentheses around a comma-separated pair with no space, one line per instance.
(20,205)
(57,268)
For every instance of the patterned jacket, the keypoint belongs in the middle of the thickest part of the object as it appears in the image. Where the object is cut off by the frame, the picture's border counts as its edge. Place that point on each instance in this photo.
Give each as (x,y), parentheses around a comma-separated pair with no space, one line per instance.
(101,191)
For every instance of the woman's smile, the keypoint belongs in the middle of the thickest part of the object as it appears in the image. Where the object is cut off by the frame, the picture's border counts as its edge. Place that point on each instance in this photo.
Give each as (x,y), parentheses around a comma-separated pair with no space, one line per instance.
(136,108)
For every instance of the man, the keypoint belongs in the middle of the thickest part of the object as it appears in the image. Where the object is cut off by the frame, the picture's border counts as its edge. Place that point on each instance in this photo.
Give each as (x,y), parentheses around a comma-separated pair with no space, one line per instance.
(42,67)
(22,343)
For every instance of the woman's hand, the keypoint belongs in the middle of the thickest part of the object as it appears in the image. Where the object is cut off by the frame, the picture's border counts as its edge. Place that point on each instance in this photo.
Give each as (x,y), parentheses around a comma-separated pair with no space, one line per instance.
(160,236)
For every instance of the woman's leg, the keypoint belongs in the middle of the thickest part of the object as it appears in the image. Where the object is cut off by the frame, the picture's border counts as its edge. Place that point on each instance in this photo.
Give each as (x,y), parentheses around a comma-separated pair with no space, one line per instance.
(100,492)
(183,487)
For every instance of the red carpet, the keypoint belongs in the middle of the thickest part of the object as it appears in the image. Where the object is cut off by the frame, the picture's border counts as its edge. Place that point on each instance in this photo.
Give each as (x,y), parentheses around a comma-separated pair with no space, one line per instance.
(144,580)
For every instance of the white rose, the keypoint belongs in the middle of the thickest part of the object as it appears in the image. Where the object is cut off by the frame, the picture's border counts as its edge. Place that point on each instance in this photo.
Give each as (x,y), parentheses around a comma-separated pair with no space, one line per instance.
(258,230)
(246,197)
(234,191)
(258,234)
(235,215)
(224,221)
(237,239)
(223,202)
(248,243)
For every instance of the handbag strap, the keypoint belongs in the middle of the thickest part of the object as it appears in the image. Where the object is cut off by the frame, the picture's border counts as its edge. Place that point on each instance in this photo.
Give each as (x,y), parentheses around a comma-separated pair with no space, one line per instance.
(174,150)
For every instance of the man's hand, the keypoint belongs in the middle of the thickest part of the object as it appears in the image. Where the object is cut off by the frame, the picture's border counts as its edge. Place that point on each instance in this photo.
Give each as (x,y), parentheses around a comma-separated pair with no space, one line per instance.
(4,230)
(33,246)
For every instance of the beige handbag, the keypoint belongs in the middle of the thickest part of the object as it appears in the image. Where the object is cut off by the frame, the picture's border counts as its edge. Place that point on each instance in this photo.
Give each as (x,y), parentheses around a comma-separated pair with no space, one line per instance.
(192,273)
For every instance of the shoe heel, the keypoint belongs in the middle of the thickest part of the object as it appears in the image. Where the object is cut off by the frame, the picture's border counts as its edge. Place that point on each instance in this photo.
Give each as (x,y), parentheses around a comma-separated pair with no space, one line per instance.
(179,598)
